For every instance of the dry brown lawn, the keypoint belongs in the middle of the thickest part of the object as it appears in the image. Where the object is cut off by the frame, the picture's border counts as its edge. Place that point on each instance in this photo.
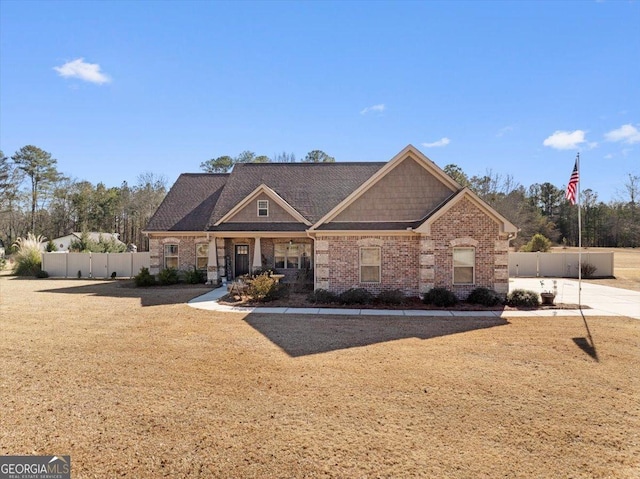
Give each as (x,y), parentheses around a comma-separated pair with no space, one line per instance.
(626,267)
(134,383)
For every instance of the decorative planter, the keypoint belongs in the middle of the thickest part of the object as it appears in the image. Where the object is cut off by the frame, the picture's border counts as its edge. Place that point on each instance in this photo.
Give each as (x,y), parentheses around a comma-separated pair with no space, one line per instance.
(547,298)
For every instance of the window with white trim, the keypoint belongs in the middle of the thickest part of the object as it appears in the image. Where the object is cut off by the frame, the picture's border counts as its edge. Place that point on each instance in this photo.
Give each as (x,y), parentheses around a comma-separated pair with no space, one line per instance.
(292,255)
(202,256)
(171,256)
(370,264)
(464,265)
(263,208)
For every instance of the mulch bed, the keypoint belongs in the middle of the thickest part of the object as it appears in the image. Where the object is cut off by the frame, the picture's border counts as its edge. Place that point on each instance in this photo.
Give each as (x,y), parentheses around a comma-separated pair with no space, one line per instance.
(299,300)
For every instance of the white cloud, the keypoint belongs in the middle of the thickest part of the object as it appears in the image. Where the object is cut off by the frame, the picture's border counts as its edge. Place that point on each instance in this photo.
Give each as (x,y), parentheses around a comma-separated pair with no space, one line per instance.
(608,156)
(373,109)
(504,131)
(441,142)
(626,133)
(565,140)
(84,71)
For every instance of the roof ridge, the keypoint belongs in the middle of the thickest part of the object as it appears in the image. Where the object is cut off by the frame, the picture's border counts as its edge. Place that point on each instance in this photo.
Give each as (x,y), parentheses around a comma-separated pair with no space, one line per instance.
(313,164)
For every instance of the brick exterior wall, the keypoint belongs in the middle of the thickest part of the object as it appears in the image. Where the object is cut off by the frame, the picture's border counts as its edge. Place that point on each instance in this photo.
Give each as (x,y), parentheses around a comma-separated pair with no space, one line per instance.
(338,263)
(411,263)
(466,225)
(415,264)
(186,251)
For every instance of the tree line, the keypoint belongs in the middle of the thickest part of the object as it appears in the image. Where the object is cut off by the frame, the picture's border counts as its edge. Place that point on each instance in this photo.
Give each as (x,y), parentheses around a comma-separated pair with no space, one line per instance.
(222,164)
(35,197)
(543,209)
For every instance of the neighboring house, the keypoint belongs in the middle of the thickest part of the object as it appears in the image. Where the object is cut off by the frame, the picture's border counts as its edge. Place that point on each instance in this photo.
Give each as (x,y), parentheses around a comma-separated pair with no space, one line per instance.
(404,224)
(64,242)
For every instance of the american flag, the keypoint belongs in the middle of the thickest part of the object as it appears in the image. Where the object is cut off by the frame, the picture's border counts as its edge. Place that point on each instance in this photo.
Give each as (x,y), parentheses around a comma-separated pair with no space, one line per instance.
(572,187)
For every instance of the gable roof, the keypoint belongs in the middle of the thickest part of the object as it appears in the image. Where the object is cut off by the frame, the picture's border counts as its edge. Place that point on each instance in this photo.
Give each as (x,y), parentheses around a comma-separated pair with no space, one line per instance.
(264,189)
(505,225)
(189,203)
(409,152)
(311,189)
(312,193)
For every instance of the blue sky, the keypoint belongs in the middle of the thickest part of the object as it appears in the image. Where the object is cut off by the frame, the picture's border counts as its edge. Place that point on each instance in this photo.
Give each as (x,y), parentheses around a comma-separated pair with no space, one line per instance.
(114,89)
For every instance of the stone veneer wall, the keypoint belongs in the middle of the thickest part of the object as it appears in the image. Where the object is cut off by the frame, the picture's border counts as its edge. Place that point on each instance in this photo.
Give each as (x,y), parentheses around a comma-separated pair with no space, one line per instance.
(465,225)
(338,263)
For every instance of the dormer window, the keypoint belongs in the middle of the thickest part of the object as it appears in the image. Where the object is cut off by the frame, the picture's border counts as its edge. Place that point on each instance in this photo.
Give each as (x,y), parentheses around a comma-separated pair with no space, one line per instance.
(263,208)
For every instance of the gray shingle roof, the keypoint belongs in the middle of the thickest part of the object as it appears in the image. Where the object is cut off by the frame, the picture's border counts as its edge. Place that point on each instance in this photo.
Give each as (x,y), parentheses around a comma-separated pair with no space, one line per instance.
(312,189)
(189,203)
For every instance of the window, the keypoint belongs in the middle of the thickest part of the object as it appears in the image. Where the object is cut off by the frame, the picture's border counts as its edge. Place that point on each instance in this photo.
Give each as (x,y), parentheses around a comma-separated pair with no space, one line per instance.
(171,256)
(263,208)
(202,256)
(292,255)
(370,260)
(464,261)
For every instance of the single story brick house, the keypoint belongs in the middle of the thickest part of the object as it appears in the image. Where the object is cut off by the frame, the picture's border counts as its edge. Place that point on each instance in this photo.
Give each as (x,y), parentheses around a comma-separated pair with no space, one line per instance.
(402,224)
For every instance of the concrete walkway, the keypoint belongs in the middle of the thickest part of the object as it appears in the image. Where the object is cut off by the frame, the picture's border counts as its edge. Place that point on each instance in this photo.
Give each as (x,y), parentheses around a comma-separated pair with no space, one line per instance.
(603,301)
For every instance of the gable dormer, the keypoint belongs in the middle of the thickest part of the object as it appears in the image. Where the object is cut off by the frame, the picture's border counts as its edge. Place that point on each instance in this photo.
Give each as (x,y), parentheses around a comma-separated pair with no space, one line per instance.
(263,205)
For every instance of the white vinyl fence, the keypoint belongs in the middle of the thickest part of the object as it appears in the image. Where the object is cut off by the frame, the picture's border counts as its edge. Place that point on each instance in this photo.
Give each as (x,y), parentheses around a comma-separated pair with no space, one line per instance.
(94,265)
(558,265)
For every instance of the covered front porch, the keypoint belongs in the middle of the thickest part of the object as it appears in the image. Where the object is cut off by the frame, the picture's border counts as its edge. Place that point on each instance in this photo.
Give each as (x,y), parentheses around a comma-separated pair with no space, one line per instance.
(234,255)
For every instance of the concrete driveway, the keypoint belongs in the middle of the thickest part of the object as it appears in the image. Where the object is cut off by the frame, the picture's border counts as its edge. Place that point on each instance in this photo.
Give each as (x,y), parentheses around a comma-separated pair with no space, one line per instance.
(603,300)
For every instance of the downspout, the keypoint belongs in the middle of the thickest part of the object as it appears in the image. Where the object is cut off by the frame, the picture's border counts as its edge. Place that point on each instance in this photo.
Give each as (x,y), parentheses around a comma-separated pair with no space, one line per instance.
(315,272)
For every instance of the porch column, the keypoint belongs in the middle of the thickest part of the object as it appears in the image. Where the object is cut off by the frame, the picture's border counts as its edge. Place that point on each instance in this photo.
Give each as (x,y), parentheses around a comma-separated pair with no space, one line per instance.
(212,264)
(257,255)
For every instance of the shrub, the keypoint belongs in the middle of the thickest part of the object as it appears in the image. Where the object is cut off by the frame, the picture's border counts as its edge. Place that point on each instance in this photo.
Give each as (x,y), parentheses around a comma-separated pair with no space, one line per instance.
(194,276)
(113,275)
(587,270)
(79,274)
(522,298)
(278,291)
(356,296)
(322,296)
(168,276)
(394,296)
(537,243)
(144,278)
(51,247)
(440,297)
(42,274)
(28,259)
(261,286)
(484,296)
(304,281)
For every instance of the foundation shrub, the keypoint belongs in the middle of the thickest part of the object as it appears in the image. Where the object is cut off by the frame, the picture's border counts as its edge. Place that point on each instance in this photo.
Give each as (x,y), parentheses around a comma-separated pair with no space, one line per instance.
(393,297)
(144,278)
(322,296)
(260,286)
(484,296)
(194,276)
(356,296)
(440,297)
(523,298)
(168,276)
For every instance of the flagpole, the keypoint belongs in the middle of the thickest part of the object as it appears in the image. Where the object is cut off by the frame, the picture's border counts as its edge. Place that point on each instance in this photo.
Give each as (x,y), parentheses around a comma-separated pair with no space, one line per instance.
(579,237)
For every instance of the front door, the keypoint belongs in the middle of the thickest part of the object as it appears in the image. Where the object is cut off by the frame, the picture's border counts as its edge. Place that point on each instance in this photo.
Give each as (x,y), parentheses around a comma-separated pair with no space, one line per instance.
(242,259)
